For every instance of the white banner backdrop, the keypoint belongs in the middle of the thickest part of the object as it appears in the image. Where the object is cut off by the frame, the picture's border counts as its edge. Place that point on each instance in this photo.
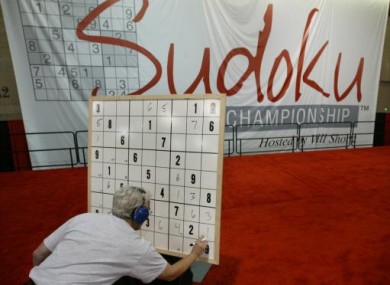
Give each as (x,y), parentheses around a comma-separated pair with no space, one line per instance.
(312,66)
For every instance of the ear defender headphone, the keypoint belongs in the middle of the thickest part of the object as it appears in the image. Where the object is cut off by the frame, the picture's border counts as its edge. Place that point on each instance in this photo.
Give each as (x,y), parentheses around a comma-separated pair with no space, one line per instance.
(140,214)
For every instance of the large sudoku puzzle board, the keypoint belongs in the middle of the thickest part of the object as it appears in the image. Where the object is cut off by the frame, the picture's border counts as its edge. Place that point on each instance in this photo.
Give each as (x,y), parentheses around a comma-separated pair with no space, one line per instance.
(65,68)
(171,145)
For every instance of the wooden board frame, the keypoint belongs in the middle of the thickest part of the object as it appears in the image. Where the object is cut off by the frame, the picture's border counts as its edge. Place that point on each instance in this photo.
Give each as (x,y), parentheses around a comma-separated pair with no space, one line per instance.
(98,182)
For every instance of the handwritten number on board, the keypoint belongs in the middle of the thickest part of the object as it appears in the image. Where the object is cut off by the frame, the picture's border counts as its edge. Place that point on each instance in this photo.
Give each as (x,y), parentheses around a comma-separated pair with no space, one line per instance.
(208,198)
(211,126)
(207,249)
(163,141)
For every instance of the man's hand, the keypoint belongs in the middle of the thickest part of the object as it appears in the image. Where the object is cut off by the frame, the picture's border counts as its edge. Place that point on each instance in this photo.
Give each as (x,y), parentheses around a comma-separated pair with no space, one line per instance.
(200,246)
(171,272)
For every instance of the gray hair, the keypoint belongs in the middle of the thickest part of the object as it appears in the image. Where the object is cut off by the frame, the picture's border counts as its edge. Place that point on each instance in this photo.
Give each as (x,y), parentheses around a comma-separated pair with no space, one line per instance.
(127,199)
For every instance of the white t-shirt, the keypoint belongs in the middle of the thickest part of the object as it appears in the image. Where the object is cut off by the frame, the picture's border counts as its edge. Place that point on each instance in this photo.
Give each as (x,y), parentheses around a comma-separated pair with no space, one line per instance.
(97,249)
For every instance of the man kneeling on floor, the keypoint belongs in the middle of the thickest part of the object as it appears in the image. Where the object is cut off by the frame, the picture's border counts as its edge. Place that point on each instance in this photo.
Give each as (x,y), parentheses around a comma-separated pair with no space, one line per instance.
(100,249)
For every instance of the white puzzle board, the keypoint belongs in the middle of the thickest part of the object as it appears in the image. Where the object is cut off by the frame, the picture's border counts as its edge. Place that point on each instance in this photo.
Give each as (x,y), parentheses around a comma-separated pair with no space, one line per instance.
(171,145)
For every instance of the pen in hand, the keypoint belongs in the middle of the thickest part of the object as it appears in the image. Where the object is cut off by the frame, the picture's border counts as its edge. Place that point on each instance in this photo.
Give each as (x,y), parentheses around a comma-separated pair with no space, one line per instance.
(193,243)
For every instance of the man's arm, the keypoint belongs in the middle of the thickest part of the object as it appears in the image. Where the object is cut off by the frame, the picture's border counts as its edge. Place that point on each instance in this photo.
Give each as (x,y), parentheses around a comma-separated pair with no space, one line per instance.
(172,271)
(40,254)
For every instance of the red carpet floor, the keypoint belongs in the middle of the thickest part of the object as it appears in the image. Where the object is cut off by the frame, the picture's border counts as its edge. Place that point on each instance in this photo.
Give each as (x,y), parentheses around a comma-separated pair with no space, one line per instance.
(301,218)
